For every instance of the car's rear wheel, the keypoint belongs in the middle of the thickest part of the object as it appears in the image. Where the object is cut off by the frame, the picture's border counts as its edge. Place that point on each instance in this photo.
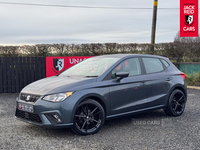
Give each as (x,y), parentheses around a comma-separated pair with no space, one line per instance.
(176,103)
(89,117)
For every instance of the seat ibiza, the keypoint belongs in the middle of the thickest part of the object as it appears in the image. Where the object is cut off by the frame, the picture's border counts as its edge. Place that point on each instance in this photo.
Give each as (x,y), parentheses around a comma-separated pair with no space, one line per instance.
(103,87)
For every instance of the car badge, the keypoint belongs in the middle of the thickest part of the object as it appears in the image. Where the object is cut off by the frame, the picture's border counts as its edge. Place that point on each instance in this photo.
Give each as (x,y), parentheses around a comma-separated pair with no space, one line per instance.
(28,98)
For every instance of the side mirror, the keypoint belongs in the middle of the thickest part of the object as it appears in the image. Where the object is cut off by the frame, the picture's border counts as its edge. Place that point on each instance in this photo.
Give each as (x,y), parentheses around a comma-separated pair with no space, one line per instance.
(121,75)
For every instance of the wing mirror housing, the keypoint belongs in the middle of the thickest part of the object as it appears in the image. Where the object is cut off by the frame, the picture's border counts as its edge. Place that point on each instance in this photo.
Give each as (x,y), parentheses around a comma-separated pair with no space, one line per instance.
(121,75)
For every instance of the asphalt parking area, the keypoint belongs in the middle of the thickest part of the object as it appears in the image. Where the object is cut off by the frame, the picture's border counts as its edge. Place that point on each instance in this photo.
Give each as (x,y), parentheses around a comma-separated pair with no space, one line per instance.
(154,130)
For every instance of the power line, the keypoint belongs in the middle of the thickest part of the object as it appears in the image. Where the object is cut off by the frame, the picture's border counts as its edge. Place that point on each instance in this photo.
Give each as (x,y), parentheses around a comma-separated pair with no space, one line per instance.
(73,6)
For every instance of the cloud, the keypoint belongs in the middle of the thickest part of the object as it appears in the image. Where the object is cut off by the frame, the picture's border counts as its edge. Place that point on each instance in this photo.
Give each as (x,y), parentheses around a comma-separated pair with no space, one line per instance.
(33,24)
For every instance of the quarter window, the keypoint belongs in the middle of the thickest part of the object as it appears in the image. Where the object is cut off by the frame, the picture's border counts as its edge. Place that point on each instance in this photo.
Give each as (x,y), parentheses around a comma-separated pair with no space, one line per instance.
(152,65)
(165,63)
(132,66)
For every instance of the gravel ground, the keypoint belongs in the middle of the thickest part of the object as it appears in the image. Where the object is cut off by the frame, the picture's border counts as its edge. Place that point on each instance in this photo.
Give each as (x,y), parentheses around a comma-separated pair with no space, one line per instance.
(152,130)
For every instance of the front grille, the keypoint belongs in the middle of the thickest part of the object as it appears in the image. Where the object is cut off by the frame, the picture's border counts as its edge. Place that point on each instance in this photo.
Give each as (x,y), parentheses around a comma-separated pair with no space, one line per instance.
(29,98)
(28,116)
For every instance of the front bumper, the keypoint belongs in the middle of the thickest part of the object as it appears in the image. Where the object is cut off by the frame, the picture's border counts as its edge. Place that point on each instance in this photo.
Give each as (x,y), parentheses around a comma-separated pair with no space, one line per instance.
(69,125)
(48,114)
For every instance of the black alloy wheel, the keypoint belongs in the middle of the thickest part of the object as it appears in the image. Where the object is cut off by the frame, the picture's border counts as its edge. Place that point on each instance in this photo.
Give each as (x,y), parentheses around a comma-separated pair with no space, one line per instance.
(176,103)
(89,117)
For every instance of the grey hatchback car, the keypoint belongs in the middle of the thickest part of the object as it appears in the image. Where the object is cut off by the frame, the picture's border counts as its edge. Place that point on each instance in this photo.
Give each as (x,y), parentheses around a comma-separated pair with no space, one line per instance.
(103,87)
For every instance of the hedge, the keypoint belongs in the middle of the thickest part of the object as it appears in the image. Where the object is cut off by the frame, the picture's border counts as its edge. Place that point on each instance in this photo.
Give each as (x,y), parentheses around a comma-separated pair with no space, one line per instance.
(188,52)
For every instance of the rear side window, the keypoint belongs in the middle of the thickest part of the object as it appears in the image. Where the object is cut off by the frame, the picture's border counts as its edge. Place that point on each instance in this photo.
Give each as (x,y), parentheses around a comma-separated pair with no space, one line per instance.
(152,65)
(165,63)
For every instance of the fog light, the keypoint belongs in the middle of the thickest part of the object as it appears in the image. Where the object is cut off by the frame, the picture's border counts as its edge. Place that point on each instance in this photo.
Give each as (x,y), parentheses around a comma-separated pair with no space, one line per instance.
(57,118)
(54,118)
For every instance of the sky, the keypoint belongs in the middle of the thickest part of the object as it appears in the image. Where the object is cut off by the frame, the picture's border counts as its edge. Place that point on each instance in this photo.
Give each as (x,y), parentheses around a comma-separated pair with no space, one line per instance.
(23,24)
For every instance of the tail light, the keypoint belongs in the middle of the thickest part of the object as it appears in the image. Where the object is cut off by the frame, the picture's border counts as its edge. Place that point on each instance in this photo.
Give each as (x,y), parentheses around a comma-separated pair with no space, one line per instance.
(182,75)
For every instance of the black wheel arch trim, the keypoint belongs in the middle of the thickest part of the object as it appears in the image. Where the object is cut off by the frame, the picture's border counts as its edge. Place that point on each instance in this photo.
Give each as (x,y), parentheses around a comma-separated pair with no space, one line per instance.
(97,97)
(177,86)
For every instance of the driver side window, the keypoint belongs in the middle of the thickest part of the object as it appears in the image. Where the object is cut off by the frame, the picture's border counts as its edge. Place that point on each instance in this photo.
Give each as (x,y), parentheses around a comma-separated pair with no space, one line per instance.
(131,65)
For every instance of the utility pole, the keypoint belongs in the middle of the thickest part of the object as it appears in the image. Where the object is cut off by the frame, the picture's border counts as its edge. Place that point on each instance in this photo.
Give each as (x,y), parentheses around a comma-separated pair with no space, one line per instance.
(153,30)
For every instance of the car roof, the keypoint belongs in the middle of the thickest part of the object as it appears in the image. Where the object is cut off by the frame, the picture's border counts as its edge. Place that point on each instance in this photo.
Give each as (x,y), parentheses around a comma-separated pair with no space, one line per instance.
(130,55)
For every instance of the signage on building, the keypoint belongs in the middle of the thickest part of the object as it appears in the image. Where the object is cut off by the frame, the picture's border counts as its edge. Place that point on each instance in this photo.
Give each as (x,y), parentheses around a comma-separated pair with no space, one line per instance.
(56,65)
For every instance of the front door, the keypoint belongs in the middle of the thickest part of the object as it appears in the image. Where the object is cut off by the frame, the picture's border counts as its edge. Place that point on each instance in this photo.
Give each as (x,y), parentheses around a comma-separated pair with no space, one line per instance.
(129,94)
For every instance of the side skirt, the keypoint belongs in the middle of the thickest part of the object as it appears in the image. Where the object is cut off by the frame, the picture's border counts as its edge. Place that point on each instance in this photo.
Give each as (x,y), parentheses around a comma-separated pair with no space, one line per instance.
(135,111)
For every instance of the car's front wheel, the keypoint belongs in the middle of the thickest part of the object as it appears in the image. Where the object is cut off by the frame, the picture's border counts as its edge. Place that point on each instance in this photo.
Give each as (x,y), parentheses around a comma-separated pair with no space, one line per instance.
(176,103)
(89,117)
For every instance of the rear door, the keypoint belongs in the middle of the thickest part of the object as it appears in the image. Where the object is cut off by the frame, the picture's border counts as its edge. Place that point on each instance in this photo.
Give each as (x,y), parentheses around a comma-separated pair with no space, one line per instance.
(158,80)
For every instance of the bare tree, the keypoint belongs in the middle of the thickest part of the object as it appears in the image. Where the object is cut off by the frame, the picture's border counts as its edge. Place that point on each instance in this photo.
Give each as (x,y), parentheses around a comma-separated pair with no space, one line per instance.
(179,39)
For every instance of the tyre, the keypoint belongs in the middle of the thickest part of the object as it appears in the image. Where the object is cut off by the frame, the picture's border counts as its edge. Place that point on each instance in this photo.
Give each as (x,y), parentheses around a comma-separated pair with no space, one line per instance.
(89,117)
(176,103)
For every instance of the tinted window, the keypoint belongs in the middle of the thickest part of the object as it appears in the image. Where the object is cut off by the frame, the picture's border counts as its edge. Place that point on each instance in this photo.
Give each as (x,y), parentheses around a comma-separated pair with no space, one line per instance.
(165,63)
(132,66)
(152,65)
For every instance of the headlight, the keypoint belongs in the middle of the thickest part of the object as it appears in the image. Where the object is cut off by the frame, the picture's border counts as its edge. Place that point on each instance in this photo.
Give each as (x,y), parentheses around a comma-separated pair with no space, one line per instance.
(57,97)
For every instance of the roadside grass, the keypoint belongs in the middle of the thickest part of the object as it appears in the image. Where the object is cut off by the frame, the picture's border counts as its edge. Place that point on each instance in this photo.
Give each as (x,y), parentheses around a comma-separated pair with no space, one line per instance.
(193,79)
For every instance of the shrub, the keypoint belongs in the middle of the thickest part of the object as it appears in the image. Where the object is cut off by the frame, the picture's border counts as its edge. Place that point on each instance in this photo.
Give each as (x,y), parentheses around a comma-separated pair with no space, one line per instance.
(193,79)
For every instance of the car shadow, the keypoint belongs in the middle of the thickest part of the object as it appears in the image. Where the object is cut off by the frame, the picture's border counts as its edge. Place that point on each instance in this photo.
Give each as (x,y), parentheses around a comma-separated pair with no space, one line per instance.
(112,123)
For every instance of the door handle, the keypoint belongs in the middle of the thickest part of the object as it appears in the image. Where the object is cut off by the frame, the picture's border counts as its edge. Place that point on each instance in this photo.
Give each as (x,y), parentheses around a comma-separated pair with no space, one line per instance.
(168,79)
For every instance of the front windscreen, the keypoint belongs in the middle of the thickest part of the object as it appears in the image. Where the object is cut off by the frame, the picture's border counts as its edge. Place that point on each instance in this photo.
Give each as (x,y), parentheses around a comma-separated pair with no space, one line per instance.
(92,67)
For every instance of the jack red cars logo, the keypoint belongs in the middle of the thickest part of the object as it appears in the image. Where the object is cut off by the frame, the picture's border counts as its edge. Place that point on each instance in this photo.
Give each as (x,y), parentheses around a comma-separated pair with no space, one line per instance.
(58,64)
(189,18)
(55,65)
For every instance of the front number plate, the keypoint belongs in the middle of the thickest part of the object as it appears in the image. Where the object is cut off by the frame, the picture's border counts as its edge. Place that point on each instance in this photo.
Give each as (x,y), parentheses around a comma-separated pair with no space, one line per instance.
(25,107)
